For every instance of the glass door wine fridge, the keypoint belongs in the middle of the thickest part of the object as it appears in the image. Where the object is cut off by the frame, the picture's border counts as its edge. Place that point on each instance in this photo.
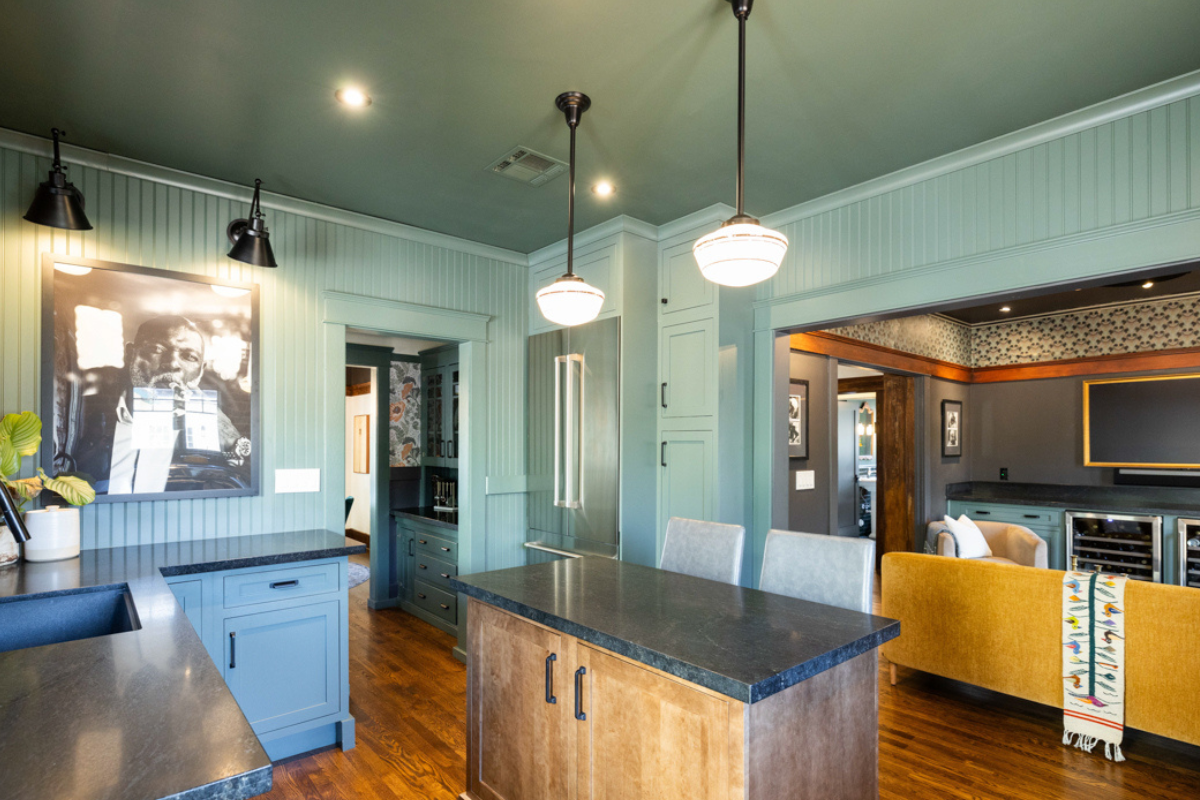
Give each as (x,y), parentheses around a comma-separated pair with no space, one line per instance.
(1189,552)
(1123,544)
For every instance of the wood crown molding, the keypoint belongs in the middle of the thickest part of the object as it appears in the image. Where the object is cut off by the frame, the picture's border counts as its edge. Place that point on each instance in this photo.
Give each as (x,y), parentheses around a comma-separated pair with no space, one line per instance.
(846,349)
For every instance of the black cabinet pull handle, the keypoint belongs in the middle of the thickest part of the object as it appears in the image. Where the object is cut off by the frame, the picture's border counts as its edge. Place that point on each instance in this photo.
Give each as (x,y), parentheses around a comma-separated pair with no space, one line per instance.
(285,584)
(550,659)
(662,455)
(410,547)
(664,301)
(1032,516)
(983,513)
(420,595)
(445,575)
(422,566)
(446,549)
(579,673)
(232,650)
(662,394)
(444,606)
(422,541)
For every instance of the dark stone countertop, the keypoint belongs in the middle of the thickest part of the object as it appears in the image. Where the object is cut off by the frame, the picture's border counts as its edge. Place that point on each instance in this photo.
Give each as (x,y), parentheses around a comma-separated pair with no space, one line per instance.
(141,715)
(441,519)
(743,643)
(1135,499)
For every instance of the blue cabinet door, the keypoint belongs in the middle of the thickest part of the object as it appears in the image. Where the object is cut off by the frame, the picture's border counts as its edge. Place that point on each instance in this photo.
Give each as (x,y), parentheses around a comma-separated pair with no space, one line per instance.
(190,594)
(282,666)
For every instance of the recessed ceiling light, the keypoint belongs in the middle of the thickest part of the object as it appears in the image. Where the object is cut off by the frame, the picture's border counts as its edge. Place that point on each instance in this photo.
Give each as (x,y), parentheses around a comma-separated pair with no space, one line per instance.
(353,97)
(604,189)
(1005,309)
(1147,284)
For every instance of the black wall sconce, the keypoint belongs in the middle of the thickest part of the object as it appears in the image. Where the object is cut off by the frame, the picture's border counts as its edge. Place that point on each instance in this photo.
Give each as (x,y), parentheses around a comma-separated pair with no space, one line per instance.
(58,204)
(249,237)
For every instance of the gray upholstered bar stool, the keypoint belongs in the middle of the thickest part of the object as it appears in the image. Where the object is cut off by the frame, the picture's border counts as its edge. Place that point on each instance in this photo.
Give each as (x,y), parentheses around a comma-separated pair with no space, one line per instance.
(710,550)
(834,570)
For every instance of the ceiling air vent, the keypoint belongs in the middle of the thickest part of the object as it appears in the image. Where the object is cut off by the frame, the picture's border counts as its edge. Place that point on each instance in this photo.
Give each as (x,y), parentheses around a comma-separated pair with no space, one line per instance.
(524,165)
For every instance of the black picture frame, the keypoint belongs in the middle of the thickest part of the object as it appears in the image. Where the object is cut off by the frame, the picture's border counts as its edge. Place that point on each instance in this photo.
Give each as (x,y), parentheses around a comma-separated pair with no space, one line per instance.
(797,419)
(221,457)
(952,428)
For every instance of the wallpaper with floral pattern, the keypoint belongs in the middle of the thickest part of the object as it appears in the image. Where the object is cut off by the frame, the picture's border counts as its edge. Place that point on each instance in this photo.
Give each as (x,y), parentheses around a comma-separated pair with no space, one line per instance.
(1109,330)
(404,424)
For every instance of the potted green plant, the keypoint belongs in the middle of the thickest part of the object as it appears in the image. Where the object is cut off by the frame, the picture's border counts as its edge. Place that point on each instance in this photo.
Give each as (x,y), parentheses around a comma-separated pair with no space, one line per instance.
(20,436)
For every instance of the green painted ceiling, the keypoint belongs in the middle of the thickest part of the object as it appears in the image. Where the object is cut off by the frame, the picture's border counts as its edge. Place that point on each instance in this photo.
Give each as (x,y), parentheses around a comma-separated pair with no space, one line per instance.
(840,92)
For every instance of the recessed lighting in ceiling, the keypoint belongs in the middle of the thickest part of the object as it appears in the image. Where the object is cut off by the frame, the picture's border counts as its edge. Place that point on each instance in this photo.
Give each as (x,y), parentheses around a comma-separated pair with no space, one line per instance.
(1005,309)
(604,189)
(1147,284)
(350,96)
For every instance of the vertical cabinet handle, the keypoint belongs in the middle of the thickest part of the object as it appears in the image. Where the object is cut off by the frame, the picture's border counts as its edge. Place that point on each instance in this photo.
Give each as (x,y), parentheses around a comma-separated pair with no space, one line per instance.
(550,659)
(410,546)
(232,650)
(662,394)
(662,454)
(579,673)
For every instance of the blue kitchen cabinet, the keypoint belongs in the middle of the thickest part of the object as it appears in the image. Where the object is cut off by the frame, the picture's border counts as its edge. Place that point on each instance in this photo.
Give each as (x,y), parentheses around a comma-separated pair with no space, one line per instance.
(279,635)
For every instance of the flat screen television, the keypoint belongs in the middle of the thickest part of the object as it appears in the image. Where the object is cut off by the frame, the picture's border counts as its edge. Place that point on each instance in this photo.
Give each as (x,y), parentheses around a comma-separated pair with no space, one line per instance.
(1142,422)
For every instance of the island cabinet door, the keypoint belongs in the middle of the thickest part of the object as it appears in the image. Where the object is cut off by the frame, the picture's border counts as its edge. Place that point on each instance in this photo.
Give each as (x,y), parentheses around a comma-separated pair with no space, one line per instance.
(647,735)
(518,695)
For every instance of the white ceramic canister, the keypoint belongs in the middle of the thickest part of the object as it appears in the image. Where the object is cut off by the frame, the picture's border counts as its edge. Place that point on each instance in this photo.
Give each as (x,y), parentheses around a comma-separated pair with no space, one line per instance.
(10,551)
(53,534)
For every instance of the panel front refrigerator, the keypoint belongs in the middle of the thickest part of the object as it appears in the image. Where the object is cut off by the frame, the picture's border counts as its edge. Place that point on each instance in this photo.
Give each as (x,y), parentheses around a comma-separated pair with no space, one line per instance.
(573,442)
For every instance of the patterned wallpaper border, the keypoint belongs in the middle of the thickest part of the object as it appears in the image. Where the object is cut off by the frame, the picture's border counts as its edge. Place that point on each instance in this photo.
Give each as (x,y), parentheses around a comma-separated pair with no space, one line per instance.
(1141,327)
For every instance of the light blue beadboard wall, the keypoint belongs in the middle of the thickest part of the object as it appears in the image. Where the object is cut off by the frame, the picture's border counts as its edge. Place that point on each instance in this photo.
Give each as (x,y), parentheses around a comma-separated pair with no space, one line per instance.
(1129,172)
(155,224)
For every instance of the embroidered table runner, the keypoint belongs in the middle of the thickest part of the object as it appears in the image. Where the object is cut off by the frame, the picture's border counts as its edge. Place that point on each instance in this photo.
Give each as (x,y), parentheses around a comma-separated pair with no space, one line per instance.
(1094,661)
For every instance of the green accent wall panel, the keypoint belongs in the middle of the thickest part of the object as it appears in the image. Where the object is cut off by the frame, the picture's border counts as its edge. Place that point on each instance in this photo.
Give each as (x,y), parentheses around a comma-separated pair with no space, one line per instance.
(164,224)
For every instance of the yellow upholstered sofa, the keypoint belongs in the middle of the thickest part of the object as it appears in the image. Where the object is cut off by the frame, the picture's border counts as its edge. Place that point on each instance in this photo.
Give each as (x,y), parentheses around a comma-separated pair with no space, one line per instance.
(999,626)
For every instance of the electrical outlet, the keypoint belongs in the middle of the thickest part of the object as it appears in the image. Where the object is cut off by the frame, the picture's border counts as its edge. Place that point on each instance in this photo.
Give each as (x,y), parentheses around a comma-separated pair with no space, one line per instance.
(1004,473)
(290,481)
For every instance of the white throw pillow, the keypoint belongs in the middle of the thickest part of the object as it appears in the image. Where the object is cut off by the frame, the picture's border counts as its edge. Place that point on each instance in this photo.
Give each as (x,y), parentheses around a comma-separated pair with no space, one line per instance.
(968,538)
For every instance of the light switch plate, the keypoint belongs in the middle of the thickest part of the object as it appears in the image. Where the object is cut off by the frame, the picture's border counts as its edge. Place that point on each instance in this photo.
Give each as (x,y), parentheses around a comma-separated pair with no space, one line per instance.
(806,479)
(290,481)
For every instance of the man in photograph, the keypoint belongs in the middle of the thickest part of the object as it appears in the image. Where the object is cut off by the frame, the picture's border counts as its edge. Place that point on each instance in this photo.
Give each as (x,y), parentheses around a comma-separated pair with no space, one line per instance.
(149,424)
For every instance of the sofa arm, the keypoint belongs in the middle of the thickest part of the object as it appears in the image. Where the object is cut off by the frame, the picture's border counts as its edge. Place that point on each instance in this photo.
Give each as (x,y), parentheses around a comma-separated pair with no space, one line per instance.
(946,545)
(1025,547)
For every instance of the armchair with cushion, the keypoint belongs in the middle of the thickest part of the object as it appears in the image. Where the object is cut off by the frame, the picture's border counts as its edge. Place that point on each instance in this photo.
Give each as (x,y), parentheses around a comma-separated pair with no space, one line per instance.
(1010,544)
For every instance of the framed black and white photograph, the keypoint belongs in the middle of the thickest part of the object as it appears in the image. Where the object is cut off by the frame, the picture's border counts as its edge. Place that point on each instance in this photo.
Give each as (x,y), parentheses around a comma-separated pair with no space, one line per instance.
(798,420)
(952,428)
(149,380)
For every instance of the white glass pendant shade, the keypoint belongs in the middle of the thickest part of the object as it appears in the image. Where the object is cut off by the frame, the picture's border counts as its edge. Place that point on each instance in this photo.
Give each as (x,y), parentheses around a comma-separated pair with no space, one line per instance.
(740,254)
(570,301)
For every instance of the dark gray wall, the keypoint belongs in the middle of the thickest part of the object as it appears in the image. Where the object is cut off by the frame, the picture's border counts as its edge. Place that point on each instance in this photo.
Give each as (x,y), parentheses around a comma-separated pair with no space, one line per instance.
(957,469)
(814,510)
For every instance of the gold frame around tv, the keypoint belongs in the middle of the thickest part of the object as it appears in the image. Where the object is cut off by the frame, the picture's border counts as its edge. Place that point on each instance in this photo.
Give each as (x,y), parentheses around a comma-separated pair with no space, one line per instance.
(1087,423)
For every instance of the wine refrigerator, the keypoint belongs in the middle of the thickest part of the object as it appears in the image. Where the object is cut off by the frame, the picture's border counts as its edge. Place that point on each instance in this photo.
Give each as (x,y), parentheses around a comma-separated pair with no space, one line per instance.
(1120,544)
(1189,552)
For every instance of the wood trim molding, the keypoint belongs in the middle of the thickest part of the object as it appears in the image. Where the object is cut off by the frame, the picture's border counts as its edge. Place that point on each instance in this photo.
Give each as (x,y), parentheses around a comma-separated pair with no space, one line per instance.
(847,349)
(358,389)
(867,383)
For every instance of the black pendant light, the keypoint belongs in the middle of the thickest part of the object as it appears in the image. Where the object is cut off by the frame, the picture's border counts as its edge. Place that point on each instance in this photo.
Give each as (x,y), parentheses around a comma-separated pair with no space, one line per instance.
(570,300)
(249,237)
(58,204)
(741,252)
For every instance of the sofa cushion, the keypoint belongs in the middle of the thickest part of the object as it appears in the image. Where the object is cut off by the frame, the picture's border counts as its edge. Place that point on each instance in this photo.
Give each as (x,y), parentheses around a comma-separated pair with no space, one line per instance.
(968,539)
(997,560)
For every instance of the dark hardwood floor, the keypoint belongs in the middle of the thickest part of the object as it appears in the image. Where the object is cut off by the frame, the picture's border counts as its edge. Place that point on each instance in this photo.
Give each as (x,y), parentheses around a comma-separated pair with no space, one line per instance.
(937,738)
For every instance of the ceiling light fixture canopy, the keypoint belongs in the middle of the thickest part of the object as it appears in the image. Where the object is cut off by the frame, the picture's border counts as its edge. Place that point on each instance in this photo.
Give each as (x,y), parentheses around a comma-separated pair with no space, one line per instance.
(741,252)
(57,203)
(569,300)
(250,238)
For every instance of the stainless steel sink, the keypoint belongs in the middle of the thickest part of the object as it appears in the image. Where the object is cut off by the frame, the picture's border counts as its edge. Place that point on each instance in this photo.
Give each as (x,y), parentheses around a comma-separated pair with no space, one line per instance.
(66,617)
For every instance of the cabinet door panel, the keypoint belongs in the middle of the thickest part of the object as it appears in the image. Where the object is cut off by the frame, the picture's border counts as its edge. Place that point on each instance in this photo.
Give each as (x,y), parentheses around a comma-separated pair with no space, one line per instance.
(517,746)
(282,666)
(647,736)
(683,286)
(688,370)
(687,479)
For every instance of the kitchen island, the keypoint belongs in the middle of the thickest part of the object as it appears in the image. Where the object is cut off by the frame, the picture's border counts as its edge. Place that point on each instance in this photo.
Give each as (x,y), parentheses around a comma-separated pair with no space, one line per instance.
(596,678)
(145,713)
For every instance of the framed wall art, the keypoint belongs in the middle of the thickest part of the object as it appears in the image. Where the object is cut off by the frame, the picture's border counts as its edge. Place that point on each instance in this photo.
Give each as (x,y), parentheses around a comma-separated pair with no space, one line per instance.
(150,380)
(952,428)
(798,420)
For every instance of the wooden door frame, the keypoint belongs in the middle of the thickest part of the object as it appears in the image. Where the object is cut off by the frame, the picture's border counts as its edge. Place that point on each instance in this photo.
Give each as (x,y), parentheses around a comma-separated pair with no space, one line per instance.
(896,494)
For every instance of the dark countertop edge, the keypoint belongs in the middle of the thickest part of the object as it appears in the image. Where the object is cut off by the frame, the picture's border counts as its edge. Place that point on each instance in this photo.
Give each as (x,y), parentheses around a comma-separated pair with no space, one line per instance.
(416,513)
(1015,498)
(236,787)
(242,562)
(730,687)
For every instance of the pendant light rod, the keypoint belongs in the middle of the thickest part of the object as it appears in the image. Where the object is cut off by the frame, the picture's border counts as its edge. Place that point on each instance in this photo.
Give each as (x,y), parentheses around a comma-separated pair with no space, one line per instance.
(572,104)
(255,205)
(741,10)
(55,132)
